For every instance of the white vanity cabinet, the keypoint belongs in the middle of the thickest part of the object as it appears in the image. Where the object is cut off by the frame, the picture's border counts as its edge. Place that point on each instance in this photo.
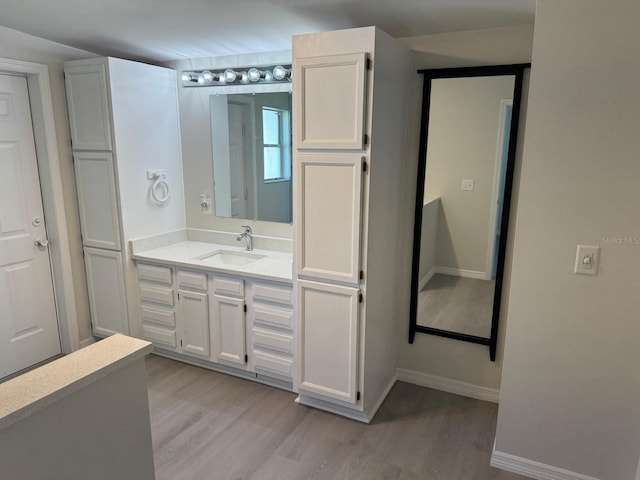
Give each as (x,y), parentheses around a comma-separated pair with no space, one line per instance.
(228,316)
(114,106)
(351,104)
(193,313)
(157,305)
(271,321)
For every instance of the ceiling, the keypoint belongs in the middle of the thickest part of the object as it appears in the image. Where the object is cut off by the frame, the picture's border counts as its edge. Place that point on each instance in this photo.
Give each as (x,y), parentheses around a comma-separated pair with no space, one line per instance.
(162,30)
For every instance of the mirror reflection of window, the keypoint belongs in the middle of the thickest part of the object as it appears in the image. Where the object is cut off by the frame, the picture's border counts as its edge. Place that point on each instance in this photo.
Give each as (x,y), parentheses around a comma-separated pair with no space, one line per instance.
(276,147)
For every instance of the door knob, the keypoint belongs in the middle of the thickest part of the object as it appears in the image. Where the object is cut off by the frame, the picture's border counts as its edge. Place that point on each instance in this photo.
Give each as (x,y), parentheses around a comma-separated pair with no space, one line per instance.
(41,242)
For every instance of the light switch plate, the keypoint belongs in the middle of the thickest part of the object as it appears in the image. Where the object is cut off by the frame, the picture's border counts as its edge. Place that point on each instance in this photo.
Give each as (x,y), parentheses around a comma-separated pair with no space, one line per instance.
(587,259)
(466,184)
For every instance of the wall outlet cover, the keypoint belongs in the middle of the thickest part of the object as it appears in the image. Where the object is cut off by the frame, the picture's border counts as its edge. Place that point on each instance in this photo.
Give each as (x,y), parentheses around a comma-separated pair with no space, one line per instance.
(467,184)
(587,259)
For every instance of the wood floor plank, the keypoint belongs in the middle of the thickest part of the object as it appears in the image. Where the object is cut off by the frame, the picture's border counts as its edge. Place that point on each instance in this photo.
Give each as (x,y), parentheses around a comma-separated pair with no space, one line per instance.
(211,426)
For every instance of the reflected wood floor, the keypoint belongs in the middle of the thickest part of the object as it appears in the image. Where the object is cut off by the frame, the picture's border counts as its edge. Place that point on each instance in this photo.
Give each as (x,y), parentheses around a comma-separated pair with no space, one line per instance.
(210,426)
(457,304)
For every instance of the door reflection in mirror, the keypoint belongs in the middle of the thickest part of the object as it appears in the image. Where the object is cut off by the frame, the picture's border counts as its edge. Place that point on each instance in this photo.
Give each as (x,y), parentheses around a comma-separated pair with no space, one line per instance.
(251,146)
(467,154)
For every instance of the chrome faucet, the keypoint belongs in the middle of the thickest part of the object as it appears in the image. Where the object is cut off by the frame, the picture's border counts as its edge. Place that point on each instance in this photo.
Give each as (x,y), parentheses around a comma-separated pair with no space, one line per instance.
(248,236)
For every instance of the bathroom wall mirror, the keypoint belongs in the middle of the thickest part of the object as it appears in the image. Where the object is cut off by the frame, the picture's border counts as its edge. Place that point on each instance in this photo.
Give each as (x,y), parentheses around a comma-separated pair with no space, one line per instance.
(467,152)
(251,146)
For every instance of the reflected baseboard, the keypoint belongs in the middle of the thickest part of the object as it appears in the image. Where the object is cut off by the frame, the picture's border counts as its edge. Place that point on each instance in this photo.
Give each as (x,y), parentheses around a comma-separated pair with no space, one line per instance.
(448,385)
(460,272)
(424,280)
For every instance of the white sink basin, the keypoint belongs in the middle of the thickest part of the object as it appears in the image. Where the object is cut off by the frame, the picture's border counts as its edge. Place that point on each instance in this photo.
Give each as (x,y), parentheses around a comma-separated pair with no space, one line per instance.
(229,257)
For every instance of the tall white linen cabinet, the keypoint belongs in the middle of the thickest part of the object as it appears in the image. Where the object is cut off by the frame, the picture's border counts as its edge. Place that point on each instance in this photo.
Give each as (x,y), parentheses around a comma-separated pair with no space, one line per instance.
(123,118)
(351,90)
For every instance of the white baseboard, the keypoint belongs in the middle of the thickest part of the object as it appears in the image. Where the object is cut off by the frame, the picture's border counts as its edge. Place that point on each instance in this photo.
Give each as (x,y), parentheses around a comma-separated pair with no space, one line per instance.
(378,404)
(531,469)
(87,341)
(448,385)
(424,280)
(460,272)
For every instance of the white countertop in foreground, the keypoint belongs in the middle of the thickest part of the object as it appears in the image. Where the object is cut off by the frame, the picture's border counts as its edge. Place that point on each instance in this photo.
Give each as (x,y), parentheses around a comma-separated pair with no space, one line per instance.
(35,390)
(275,266)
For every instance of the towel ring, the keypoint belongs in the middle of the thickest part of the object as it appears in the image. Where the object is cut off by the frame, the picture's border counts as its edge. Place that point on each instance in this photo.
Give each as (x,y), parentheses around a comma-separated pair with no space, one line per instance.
(158,186)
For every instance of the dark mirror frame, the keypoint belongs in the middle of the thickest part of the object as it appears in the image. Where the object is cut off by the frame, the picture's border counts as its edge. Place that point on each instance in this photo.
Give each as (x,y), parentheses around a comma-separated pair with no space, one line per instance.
(496,70)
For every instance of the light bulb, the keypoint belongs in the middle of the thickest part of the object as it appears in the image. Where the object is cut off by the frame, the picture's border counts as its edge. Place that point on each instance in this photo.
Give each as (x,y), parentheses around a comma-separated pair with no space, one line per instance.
(188,77)
(207,76)
(230,75)
(254,75)
(280,73)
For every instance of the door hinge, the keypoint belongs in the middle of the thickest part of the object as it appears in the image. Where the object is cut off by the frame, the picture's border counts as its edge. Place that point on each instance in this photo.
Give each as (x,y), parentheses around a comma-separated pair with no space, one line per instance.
(360,298)
(366,139)
(361,274)
(178,296)
(368,63)
(245,307)
(180,342)
(364,166)
(358,396)
(246,359)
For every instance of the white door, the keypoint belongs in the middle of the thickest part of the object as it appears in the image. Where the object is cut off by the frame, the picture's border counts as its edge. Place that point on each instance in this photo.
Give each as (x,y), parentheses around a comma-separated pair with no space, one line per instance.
(229,336)
(329,340)
(28,323)
(329,195)
(194,318)
(330,93)
(237,156)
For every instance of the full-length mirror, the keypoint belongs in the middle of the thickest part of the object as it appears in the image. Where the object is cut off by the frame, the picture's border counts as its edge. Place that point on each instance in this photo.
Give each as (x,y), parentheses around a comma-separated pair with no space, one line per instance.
(467,151)
(251,146)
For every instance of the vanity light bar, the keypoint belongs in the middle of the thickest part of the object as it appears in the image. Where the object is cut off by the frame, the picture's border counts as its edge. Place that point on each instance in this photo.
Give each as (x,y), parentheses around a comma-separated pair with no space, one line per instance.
(236,76)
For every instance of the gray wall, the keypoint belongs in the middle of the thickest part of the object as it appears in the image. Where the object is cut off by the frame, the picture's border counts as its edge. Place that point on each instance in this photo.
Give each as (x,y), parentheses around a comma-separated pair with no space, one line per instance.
(431,355)
(570,387)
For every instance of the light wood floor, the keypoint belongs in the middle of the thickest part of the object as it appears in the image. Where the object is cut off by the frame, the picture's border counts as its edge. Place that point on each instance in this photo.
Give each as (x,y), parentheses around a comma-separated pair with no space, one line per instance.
(211,426)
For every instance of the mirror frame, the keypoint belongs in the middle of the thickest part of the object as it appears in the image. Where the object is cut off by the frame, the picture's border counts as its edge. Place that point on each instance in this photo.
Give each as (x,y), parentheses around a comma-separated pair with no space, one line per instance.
(428,75)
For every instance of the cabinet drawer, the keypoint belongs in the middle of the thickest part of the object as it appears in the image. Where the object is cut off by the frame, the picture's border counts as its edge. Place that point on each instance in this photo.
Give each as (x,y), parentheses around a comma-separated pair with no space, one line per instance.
(272,316)
(272,363)
(273,293)
(152,273)
(192,280)
(161,295)
(229,286)
(160,316)
(159,336)
(274,340)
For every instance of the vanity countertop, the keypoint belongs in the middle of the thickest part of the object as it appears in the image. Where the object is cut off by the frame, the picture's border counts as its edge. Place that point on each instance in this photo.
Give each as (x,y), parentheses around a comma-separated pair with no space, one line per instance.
(274,266)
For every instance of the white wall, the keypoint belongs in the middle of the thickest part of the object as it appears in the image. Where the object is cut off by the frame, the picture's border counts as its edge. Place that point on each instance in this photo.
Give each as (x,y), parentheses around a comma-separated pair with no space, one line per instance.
(570,393)
(442,357)
(19,46)
(428,238)
(196,143)
(464,130)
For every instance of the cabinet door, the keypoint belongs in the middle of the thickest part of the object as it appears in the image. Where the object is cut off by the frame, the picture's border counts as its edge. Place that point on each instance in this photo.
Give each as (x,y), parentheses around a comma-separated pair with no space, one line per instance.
(328,340)
(329,195)
(194,321)
(97,200)
(330,95)
(107,299)
(88,102)
(229,337)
